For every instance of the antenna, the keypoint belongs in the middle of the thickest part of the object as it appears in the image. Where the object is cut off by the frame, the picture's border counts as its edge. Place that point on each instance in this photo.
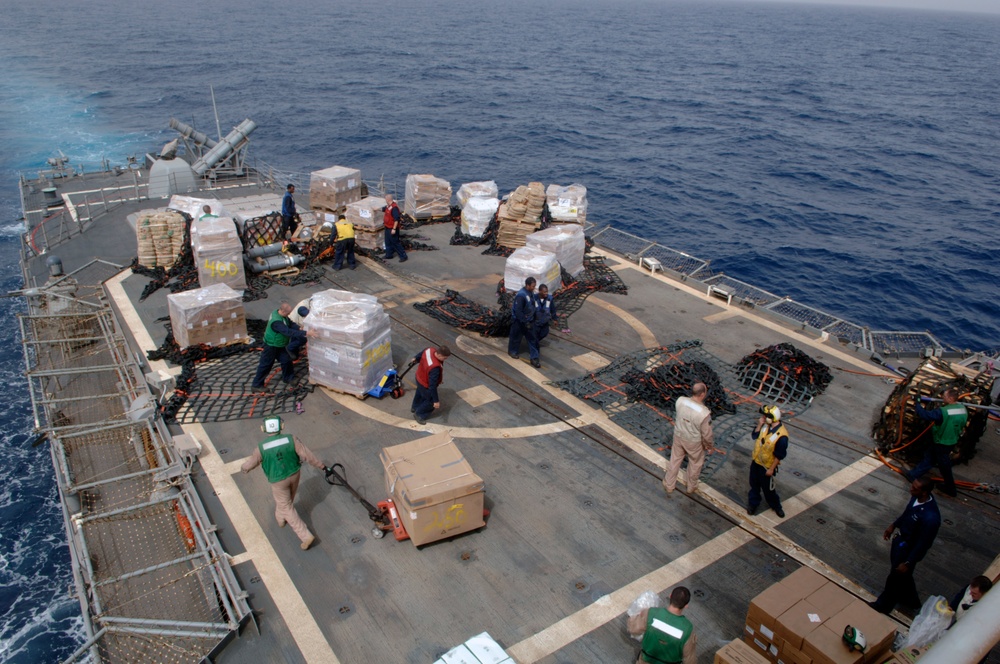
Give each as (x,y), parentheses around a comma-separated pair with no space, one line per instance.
(218,127)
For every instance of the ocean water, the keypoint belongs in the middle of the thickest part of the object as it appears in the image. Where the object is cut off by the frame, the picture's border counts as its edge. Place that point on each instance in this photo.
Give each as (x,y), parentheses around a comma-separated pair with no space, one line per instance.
(846,157)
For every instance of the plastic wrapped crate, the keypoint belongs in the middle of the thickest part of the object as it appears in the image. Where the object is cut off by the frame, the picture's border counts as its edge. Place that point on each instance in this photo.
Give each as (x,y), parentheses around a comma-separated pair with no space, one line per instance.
(159,237)
(366,213)
(212,315)
(530,262)
(218,252)
(333,188)
(352,349)
(470,190)
(427,197)
(195,207)
(477,214)
(567,204)
(566,241)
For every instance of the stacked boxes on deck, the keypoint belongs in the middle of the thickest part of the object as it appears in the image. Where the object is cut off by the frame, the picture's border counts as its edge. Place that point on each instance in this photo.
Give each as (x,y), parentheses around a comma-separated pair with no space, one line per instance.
(470,190)
(567,205)
(738,652)
(801,620)
(480,649)
(566,241)
(159,237)
(352,349)
(427,197)
(218,252)
(366,215)
(530,262)
(333,188)
(212,315)
(436,493)
(520,215)
(477,215)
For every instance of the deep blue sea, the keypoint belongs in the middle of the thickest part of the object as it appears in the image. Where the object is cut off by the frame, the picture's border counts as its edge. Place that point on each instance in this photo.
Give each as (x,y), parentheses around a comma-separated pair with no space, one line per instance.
(846,157)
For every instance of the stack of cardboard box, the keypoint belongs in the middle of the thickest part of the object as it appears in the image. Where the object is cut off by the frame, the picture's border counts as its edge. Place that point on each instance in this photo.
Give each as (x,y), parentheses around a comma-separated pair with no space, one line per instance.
(566,241)
(520,215)
(159,237)
(739,652)
(427,197)
(212,315)
(531,262)
(435,490)
(366,215)
(567,205)
(477,215)
(218,252)
(331,189)
(801,620)
(480,649)
(470,190)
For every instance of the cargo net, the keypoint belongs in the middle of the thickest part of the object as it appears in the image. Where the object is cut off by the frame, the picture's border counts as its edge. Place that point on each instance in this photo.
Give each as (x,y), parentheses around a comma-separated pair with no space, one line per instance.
(783,368)
(214,383)
(639,390)
(459,311)
(901,434)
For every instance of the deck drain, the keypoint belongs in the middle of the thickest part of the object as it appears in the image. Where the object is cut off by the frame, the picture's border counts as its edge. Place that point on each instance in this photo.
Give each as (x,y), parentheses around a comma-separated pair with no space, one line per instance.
(344,610)
(797,473)
(224,450)
(581,586)
(254,579)
(336,412)
(543,466)
(847,387)
(872,490)
(357,540)
(949,522)
(674,537)
(466,556)
(588,503)
(821,521)
(699,593)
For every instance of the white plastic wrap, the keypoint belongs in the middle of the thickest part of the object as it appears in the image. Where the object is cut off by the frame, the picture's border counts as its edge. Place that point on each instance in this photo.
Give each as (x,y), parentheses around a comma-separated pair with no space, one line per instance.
(647,600)
(930,624)
(159,237)
(567,204)
(366,214)
(218,252)
(352,349)
(477,214)
(212,315)
(470,190)
(333,188)
(195,206)
(566,241)
(427,197)
(530,262)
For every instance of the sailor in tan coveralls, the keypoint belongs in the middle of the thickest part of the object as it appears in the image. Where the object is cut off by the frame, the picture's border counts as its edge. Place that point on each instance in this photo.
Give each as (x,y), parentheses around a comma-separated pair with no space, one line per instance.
(282,455)
(692,438)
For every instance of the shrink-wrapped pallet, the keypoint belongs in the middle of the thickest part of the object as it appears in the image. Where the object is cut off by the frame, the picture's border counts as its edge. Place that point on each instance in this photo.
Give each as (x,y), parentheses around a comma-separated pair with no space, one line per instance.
(212,315)
(566,241)
(195,207)
(351,349)
(333,188)
(530,262)
(159,237)
(366,214)
(477,215)
(218,252)
(427,197)
(567,204)
(469,190)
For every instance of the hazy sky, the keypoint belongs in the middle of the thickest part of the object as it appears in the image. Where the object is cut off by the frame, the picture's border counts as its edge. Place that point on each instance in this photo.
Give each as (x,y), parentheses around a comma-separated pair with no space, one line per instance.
(990,6)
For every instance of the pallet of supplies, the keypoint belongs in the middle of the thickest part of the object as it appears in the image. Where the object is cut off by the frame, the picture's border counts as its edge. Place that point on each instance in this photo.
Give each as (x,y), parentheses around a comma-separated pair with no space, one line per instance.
(529,262)
(470,190)
(366,215)
(738,652)
(333,188)
(566,241)
(159,237)
(567,205)
(195,207)
(520,215)
(352,348)
(480,649)
(477,215)
(212,315)
(218,252)
(435,490)
(427,197)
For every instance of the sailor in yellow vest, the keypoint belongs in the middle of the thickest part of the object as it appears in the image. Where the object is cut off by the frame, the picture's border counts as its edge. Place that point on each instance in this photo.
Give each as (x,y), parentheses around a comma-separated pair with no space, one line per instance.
(769,448)
(282,455)
(667,635)
(344,245)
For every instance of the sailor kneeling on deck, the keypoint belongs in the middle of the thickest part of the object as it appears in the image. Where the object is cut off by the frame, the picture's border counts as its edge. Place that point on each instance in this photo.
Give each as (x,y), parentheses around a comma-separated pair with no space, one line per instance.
(667,635)
(430,373)
(281,455)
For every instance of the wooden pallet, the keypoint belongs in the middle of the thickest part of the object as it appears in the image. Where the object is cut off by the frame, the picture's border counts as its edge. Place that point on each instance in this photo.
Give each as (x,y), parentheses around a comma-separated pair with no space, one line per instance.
(283,272)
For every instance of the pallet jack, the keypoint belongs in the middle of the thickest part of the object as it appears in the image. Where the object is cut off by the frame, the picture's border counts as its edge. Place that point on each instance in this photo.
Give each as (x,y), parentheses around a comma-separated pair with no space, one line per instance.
(391,383)
(384,515)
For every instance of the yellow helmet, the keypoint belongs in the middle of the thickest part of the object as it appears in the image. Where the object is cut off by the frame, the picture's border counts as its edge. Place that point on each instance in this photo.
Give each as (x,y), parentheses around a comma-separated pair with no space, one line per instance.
(772,413)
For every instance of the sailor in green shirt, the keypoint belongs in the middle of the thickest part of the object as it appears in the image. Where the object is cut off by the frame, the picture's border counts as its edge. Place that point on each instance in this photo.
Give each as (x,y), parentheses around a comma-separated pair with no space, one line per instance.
(667,635)
(282,455)
(949,422)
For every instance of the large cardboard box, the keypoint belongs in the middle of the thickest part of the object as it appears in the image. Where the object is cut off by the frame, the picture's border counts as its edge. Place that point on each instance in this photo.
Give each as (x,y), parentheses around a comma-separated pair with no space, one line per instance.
(831,597)
(803,582)
(435,490)
(765,609)
(878,629)
(212,315)
(795,624)
(333,188)
(825,646)
(767,650)
(790,655)
(738,652)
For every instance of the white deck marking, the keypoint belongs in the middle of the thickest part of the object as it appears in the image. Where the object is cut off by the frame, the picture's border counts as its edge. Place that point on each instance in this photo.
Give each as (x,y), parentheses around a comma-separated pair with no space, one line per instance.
(610,607)
(645,334)
(722,315)
(591,361)
(477,396)
(298,619)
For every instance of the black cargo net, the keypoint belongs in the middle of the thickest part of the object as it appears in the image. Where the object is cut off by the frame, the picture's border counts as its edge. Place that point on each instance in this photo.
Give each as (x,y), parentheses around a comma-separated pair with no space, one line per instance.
(785,367)
(456,310)
(638,391)
(214,383)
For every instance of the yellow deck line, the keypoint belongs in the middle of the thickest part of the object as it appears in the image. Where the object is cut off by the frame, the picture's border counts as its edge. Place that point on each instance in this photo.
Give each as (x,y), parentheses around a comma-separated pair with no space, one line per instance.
(298,618)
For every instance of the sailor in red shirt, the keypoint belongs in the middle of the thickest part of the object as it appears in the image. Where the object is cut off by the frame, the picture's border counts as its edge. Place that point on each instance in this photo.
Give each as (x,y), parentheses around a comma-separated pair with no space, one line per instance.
(430,373)
(392,220)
